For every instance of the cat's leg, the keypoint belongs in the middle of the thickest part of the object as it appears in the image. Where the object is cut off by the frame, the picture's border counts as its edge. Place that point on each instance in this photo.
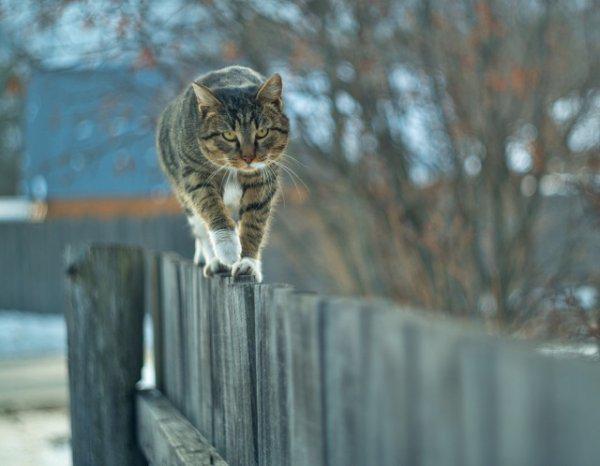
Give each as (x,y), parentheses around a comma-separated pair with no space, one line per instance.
(204,255)
(207,205)
(213,264)
(201,237)
(255,211)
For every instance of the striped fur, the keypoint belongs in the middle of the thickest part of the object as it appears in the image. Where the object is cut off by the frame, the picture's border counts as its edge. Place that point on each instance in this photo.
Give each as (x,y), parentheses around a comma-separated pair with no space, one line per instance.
(224,135)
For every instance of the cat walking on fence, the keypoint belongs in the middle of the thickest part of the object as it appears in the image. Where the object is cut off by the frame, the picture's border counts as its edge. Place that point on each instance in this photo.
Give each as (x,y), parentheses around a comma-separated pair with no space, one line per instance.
(219,143)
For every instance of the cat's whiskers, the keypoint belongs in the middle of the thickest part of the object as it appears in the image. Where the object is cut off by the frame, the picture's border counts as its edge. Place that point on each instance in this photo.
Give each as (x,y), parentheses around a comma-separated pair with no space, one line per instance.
(220,169)
(271,176)
(293,159)
(283,190)
(286,157)
(293,175)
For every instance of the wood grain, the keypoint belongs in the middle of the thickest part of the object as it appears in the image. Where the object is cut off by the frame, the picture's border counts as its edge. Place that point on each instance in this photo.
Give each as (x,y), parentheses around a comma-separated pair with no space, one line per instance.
(167,438)
(104,327)
(269,376)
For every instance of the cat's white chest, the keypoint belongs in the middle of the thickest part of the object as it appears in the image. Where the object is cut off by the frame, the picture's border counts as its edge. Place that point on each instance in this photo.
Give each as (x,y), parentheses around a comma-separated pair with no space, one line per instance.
(232,192)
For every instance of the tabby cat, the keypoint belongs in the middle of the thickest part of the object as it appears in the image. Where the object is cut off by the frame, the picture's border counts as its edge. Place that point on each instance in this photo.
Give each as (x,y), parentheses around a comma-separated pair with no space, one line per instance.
(219,143)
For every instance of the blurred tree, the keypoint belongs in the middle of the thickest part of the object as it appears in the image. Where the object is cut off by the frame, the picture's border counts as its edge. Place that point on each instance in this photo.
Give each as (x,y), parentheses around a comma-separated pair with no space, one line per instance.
(447,219)
(11,109)
(430,133)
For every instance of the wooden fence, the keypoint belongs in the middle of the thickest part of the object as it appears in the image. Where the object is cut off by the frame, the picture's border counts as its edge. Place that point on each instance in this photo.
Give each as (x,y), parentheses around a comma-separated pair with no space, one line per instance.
(31,263)
(261,375)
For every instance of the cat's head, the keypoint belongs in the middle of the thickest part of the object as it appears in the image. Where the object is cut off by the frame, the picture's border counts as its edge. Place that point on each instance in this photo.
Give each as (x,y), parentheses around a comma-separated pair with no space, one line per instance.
(243,128)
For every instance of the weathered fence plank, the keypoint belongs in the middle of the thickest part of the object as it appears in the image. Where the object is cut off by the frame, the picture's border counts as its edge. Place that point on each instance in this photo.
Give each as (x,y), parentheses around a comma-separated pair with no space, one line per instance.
(154,303)
(185,336)
(105,330)
(191,339)
(391,420)
(202,417)
(344,348)
(235,339)
(305,382)
(525,394)
(436,359)
(269,376)
(576,413)
(272,363)
(172,338)
(480,402)
(167,438)
(218,356)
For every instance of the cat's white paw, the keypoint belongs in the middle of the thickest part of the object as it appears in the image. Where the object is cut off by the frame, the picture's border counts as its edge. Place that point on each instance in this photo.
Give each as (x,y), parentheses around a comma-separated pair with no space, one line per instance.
(214,267)
(247,266)
(227,246)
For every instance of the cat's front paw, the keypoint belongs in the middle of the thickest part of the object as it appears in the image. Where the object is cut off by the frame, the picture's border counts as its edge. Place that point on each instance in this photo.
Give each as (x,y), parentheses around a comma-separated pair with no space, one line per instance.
(227,246)
(215,266)
(247,266)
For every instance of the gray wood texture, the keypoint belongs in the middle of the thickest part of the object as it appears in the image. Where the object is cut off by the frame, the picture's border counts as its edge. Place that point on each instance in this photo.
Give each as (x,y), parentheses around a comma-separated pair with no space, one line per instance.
(299,379)
(172,355)
(153,301)
(270,376)
(233,372)
(202,415)
(271,362)
(167,438)
(344,360)
(105,331)
(305,381)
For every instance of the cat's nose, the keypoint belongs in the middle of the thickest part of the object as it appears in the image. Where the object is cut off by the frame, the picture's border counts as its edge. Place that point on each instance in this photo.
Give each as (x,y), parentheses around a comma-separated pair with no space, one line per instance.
(248,155)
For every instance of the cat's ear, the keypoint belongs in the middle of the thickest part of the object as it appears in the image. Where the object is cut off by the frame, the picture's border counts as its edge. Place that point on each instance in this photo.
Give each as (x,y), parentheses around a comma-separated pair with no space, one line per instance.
(270,91)
(204,96)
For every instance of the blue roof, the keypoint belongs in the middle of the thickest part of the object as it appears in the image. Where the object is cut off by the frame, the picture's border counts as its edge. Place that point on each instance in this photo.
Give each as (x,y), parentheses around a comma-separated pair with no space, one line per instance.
(90,133)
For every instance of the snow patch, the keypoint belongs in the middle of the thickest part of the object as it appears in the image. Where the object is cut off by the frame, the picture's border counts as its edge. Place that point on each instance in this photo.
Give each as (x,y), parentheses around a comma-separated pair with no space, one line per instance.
(30,334)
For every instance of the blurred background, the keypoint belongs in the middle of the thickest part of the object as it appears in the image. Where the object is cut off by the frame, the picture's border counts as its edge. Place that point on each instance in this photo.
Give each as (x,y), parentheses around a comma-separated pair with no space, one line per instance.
(445,154)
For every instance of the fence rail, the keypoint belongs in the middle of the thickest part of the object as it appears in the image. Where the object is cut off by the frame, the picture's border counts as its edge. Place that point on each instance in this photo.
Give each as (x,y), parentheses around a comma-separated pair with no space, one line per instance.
(269,376)
(167,438)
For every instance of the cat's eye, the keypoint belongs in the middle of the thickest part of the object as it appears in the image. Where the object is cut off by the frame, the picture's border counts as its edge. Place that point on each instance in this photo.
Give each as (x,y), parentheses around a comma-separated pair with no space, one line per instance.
(261,132)
(229,135)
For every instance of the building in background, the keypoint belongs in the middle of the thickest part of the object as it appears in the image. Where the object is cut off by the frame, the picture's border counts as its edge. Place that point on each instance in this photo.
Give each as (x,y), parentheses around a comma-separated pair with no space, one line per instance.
(89,144)
(89,174)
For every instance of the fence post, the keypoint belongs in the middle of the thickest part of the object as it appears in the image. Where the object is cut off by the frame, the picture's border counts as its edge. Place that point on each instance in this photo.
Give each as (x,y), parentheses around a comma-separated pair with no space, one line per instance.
(105,328)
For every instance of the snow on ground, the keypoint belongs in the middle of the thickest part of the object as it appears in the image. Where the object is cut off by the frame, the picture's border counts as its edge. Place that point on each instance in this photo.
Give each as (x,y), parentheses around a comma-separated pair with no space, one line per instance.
(35,438)
(32,375)
(33,383)
(25,334)
(585,351)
